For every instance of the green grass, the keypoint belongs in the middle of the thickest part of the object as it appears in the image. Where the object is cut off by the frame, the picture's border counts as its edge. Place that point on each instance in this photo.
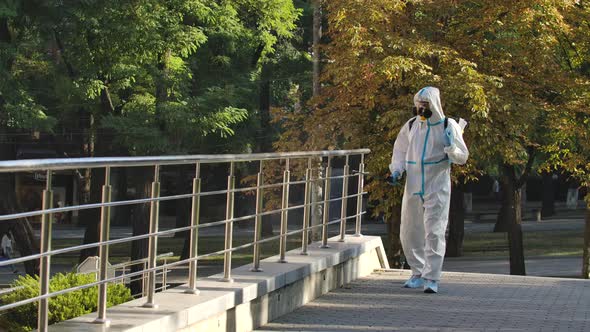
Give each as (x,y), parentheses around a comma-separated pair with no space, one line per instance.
(121,252)
(543,243)
(567,243)
(486,245)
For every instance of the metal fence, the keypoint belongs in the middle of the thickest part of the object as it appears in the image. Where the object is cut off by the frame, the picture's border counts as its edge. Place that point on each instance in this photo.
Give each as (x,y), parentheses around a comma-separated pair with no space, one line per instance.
(313,171)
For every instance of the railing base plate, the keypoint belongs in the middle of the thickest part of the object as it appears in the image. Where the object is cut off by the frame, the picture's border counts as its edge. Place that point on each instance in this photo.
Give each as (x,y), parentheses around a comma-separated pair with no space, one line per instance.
(192,291)
(150,305)
(103,321)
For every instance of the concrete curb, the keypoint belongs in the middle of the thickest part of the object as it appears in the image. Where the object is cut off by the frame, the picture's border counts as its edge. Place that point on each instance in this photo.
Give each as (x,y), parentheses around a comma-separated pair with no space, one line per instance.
(253,299)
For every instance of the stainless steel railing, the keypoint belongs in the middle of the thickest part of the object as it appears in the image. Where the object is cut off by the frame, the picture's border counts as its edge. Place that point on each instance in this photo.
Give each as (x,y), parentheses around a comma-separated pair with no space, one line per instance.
(124,267)
(47,210)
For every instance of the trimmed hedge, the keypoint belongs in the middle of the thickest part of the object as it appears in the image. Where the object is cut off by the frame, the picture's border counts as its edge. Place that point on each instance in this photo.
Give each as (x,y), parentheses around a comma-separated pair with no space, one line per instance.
(61,307)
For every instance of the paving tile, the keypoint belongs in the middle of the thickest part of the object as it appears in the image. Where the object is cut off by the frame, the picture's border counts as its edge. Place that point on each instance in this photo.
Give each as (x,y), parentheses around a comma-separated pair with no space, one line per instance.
(466,302)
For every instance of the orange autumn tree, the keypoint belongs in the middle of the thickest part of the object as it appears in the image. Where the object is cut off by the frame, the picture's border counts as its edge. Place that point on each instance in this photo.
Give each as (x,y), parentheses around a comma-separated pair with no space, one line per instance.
(496,64)
(569,147)
(376,62)
(522,44)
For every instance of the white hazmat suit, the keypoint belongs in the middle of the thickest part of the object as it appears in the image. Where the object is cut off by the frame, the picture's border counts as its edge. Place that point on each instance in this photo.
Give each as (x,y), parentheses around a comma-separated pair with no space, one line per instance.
(420,151)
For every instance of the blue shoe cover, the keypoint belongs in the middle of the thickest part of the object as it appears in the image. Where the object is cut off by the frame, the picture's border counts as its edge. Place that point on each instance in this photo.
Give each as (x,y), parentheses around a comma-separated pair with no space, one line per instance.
(431,286)
(414,282)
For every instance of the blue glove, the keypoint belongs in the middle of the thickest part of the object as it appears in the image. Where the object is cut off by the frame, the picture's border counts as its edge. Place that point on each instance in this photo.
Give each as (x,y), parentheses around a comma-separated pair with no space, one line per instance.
(393,179)
(448,137)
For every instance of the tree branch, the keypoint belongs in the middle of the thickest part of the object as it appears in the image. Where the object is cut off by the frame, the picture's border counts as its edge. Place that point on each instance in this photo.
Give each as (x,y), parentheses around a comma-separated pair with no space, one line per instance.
(106,101)
(527,170)
(62,51)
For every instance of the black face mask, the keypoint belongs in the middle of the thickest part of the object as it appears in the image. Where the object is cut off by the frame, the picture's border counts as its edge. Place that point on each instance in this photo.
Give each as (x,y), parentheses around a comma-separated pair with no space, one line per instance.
(422,111)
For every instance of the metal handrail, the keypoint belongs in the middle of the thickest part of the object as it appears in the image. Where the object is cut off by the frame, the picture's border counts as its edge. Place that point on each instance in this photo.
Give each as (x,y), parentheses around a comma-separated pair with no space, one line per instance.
(144,200)
(151,268)
(166,232)
(180,262)
(141,260)
(101,162)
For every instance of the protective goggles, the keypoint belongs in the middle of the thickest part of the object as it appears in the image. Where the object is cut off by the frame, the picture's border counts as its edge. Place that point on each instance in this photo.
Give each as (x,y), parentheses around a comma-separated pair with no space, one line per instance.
(422,111)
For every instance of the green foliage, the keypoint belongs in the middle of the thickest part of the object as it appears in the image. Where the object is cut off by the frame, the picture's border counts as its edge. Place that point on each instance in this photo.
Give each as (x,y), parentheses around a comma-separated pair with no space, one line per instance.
(499,64)
(157,77)
(568,144)
(61,307)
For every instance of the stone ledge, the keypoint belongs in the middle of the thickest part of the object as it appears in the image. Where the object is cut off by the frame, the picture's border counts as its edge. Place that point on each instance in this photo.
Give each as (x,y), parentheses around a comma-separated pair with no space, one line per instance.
(252,296)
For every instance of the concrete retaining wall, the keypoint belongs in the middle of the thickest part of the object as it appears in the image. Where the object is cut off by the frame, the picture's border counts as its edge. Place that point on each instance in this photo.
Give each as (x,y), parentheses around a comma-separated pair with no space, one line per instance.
(253,299)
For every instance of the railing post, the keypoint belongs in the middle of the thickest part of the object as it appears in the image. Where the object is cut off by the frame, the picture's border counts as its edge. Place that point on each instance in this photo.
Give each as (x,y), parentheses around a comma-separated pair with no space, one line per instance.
(316,195)
(327,187)
(258,222)
(143,281)
(359,198)
(164,275)
(229,226)
(46,223)
(306,210)
(153,239)
(343,210)
(105,218)
(284,213)
(194,239)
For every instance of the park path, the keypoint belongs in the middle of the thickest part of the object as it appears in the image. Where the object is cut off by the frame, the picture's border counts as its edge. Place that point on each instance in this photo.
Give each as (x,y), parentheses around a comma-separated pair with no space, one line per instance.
(466,302)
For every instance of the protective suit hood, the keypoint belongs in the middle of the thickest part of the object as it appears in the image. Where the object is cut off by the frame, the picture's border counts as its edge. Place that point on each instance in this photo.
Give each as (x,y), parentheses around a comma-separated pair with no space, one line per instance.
(432,96)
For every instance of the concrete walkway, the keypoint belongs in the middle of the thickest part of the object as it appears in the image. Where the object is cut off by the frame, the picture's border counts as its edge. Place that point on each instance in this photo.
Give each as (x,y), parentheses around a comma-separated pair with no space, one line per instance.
(466,302)
(570,267)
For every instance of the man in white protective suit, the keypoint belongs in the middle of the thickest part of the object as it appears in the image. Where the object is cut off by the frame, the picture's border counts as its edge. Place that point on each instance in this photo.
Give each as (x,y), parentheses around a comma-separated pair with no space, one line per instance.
(425,148)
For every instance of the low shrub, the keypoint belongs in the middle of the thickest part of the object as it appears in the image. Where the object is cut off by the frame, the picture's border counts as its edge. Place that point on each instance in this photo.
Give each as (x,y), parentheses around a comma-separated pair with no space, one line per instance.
(61,307)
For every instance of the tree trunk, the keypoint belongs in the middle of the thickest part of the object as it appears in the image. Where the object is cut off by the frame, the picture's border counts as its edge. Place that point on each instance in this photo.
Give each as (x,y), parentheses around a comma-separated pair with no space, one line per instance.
(264,140)
(90,218)
(92,193)
(316,189)
(502,224)
(140,223)
(317,35)
(393,247)
(515,242)
(183,206)
(185,248)
(510,218)
(548,200)
(586,256)
(123,212)
(456,223)
(514,218)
